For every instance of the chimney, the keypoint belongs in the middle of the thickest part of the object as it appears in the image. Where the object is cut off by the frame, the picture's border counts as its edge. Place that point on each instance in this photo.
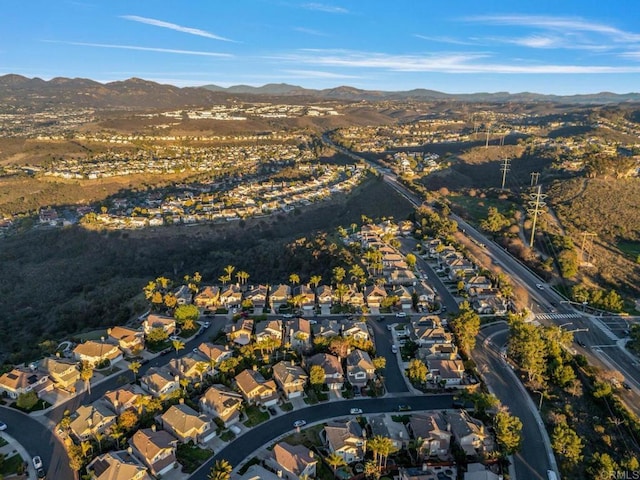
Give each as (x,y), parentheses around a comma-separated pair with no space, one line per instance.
(116,404)
(108,331)
(424,467)
(311,454)
(153,427)
(181,401)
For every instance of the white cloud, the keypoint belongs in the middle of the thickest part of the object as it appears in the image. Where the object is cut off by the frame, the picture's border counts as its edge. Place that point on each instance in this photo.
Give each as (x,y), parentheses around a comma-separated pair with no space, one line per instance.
(321,7)
(442,63)
(144,49)
(173,26)
(310,31)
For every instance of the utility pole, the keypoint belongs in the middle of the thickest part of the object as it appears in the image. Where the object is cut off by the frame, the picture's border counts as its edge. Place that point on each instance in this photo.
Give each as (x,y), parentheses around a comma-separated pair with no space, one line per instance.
(504,168)
(586,237)
(537,205)
(534,178)
(486,145)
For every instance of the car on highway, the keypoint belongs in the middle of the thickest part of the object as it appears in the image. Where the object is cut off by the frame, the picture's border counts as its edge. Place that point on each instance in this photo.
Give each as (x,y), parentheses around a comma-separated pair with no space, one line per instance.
(37,462)
(3,426)
(299,423)
(539,286)
(401,314)
(581,343)
(205,324)
(404,408)
(355,411)
(626,386)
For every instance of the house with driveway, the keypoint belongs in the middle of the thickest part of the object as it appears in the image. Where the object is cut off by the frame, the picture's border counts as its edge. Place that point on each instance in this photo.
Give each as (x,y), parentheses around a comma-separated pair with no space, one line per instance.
(156,449)
(332,367)
(97,352)
(221,402)
(159,382)
(360,368)
(186,424)
(346,438)
(292,462)
(255,389)
(290,378)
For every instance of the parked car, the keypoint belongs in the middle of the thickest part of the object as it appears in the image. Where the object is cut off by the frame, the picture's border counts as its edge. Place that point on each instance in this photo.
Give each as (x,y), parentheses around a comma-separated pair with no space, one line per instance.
(394,348)
(174,337)
(41,473)
(37,462)
(272,411)
(205,324)
(404,408)
(355,411)
(401,314)
(626,386)
(299,423)
(3,426)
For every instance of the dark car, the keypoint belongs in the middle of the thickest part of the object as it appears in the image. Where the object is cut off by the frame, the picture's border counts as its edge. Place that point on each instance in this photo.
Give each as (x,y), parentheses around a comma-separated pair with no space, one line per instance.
(41,473)
(404,408)
(626,386)
(272,411)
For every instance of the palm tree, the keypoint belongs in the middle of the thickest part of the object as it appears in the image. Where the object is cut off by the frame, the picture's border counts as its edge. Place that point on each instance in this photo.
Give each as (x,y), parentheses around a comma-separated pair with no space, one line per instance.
(294,279)
(371,470)
(338,274)
(224,279)
(116,434)
(229,269)
(135,368)
(221,470)
(315,280)
(201,367)
(177,345)
(184,383)
(86,372)
(335,461)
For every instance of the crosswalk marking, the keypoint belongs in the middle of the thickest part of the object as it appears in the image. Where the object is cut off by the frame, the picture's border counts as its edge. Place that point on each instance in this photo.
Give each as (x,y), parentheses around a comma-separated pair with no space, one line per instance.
(556,316)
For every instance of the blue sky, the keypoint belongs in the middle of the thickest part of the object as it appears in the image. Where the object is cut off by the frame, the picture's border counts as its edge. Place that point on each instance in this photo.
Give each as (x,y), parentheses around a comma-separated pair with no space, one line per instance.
(560,46)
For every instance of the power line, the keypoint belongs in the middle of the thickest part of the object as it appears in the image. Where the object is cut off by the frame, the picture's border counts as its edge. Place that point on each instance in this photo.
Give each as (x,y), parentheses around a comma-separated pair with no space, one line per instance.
(587,240)
(534,178)
(538,205)
(504,168)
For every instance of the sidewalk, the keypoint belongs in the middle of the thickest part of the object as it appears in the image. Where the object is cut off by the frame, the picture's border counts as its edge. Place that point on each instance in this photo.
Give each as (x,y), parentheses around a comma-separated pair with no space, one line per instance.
(12,448)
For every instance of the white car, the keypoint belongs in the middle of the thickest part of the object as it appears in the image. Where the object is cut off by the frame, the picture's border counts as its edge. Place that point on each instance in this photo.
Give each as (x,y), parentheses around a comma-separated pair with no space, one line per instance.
(401,314)
(3,426)
(539,286)
(37,462)
(299,423)
(174,337)
(355,411)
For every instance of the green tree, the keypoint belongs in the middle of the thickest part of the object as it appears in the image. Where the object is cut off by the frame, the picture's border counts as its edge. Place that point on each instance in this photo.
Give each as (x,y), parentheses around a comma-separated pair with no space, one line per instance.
(338,274)
(135,368)
(177,345)
(315,280)
(27,400)
(371,470)
(184,313)
(527,348)
(316,376)
(379,363)
(495,221)
(465,327)
(335,461)
(229,365)
(417,371)
(157,335)
(566,442)
(221,470)
(411,260)
(602,466)
(508,430)
(294,279)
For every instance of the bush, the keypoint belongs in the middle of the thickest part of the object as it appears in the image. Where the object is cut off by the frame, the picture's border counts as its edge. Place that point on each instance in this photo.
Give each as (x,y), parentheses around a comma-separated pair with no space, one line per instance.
(26,401)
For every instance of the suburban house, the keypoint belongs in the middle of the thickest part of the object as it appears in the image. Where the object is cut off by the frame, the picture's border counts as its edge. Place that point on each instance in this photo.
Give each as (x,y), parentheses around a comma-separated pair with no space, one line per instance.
(214,354)
(279,296)
(231,296)
(355,329)
(156,449)
(240,334)
(269,329)
(425,294)
(460,268)
(168,324)
(360,368)
(19,381)
(120,465)
(489,305)
(91,419)
(186,424)
(345,437)
(183,294)
(292,462)
(62,372)
(432,434)
(255,389)
(221,402)
(189,367)
(427,331)
(333,373)
(298,333)
(351,296)
(477,471)
(130,341)
(443,351)
(325,295)
(404,296)
(327,328)
(124,398)
(374,294)
(159,382)
(207,298)
(382,425)
(477,283)
(468,432)
(290,378)
(258,472)
(450,372)
(258,296)
(97,352)
(308,297)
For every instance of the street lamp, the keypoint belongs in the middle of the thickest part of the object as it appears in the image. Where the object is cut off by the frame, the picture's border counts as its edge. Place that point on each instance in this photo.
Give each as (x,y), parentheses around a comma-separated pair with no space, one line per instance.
(565,324)
(541,396)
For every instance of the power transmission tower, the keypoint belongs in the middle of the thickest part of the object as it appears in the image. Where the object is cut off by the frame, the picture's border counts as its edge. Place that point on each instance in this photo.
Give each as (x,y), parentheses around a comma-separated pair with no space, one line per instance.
(486,145)
(534,178)
(586,237)
(537,205)
(504,168)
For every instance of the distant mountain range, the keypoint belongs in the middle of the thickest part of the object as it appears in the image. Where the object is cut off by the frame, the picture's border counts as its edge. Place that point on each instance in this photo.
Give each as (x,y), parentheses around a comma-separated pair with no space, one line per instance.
(135,93)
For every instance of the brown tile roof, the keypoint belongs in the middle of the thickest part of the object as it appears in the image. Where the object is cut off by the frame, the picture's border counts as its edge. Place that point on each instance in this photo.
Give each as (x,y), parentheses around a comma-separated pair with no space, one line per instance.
(150,442)
(294,458)
(183,419)
(95,349)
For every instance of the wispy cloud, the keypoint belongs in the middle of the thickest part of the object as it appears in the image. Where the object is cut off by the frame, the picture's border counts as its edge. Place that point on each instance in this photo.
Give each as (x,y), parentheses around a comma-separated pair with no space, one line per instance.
(310,31)
(177,28)
(442,63)
(449,40)
(144,49)
(565,25)
(322,7)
